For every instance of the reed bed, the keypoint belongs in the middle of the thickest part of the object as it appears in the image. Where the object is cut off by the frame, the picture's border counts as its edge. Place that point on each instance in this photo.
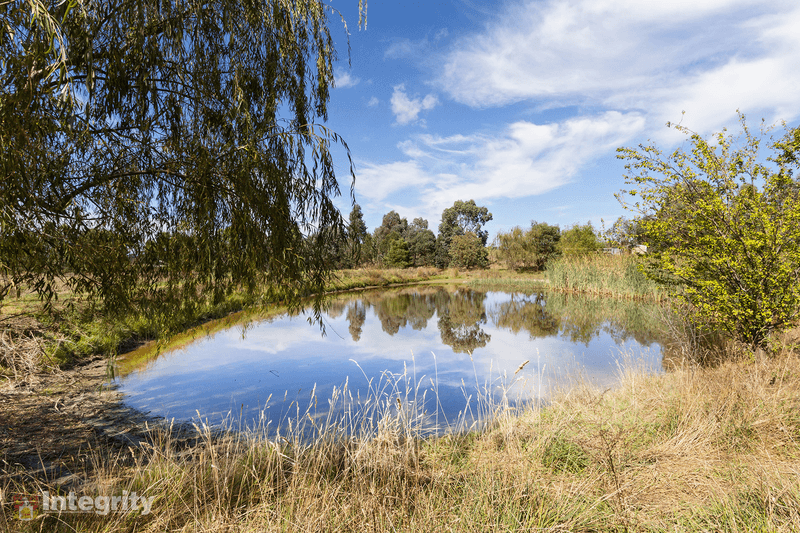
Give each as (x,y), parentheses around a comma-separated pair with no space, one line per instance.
(613,275)
(696,449)
(520,282)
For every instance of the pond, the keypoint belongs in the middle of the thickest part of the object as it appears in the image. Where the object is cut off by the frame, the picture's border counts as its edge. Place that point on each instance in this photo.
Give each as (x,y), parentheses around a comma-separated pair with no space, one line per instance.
(448,355)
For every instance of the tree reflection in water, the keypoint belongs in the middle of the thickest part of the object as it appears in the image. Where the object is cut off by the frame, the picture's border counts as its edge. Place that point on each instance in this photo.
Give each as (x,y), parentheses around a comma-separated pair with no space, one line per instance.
(579,318)
(526,313)
(460,321)
(462,313)
(356,315)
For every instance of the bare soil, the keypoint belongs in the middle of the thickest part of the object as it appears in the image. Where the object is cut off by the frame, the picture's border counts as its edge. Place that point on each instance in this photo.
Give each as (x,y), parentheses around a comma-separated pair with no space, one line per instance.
(50,422)
(55,426)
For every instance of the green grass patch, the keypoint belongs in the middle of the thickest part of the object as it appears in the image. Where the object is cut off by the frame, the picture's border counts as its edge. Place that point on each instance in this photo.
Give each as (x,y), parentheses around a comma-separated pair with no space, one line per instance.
(563,455)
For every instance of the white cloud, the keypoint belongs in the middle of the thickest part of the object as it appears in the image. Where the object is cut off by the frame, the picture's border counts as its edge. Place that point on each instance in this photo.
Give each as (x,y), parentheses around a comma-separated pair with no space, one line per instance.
(650,56)
(388,178)
(762,86)
(613,72)
(403,48)
(407,109)
(373,102)
(524,160)
(406,48)
(344,79)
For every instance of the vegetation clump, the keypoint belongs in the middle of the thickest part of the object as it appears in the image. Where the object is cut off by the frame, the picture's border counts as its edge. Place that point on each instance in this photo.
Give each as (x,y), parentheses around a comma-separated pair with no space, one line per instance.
(530,249)
(723,229)
(611,275)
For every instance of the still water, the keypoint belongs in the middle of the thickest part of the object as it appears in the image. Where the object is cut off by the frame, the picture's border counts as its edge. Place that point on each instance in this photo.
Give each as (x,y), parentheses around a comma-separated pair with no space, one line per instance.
(448,351)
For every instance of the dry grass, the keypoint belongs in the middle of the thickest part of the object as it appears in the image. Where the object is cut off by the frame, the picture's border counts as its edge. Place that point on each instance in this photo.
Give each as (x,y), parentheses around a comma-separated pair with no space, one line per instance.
(381,277)
(20,353)
(696,449)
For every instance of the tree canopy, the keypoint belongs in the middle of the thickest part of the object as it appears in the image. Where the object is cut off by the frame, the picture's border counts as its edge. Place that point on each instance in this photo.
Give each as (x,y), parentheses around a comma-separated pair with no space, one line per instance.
(579,240)
(723,227)
(418,240)
(467,251)
(531,248)
(421,243)
(177,119)
(462,218)
(624,233)
(357,235)
(398,255)
(393,227)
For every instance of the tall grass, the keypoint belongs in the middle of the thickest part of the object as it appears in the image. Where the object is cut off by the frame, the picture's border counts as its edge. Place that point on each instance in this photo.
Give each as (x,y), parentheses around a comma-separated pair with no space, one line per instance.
(614,275)
(508,280)
(380,277)
(698,449)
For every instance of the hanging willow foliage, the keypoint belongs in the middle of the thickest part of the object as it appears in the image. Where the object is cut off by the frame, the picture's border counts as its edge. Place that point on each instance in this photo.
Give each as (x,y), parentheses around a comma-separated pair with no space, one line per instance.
(154,150)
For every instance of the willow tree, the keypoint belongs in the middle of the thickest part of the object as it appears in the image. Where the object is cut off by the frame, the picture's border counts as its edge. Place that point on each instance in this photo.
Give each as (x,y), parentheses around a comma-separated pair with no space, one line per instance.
(529,249)
(154,150)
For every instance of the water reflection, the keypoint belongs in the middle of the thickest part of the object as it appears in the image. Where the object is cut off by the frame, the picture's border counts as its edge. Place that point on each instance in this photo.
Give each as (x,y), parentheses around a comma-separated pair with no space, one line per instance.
(578,318)
(463,312)
(445,343)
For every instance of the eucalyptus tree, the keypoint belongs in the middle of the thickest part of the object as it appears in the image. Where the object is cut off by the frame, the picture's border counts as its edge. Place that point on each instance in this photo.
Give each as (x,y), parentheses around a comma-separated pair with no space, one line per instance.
(462,218)
(467,251)
(356,237)
(195,119)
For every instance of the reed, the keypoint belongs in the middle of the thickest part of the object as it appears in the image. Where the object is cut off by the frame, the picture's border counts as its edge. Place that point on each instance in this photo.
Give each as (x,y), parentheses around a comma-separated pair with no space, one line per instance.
(612,275)
(509,280)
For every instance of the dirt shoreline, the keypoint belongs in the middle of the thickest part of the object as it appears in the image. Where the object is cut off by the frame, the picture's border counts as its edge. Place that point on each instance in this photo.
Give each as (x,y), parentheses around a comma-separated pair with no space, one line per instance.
(54,424)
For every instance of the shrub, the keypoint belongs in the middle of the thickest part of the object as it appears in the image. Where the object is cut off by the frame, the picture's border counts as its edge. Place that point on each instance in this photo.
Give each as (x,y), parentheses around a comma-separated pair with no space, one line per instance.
(724,229)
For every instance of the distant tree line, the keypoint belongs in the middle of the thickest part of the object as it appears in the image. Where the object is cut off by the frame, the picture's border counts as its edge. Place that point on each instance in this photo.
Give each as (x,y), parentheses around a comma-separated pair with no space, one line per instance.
(532,248)
(461,241)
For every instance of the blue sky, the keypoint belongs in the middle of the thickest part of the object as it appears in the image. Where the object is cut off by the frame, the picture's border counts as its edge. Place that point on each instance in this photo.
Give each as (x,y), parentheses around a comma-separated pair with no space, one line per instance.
(520,105)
